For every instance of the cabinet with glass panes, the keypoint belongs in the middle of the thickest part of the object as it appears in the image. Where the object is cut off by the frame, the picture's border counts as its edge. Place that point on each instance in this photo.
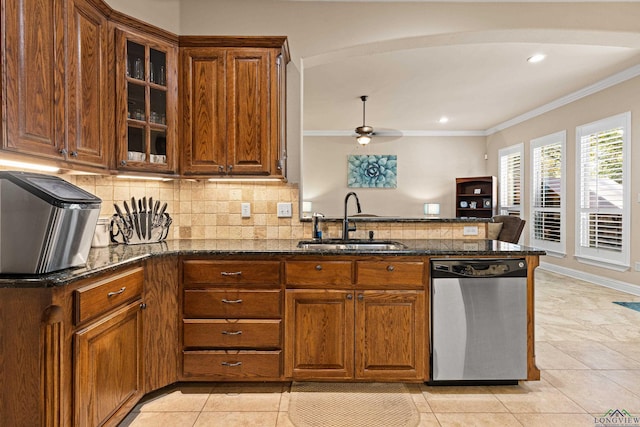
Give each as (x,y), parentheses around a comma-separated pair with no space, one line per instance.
(147,103)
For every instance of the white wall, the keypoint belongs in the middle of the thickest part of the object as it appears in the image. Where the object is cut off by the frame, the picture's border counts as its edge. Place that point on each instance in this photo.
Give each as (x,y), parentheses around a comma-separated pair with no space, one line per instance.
(427,168)
(161,13)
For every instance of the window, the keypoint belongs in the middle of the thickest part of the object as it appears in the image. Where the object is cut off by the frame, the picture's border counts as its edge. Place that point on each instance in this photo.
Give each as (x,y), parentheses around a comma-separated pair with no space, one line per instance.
(603,191)
(510,172)
(548,193)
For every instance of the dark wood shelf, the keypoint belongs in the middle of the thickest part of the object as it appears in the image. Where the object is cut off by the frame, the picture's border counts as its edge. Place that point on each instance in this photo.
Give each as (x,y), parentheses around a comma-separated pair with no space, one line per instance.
(466,192)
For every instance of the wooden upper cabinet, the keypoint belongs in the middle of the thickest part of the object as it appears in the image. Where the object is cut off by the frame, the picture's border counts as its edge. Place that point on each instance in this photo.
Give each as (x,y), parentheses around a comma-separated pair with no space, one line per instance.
(33,77)
(87,90)
(232,100)
(146,103)
(55,105)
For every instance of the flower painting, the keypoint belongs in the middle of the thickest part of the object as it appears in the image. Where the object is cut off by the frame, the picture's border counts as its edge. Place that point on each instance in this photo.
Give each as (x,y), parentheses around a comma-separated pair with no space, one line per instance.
(373,171)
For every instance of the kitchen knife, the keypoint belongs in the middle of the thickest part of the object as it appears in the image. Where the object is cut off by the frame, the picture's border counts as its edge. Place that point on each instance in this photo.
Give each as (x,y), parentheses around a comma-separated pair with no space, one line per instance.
(136,223)
(155,213)
(164,208)
(129,219)
(143,217)
(150,217)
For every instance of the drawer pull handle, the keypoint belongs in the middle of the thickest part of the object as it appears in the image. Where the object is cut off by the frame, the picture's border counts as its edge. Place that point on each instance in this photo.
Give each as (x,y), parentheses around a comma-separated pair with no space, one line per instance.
(231,332)
(390,268)
(111,294)
(231,364)
(231,273)
(318,267)
(231,301)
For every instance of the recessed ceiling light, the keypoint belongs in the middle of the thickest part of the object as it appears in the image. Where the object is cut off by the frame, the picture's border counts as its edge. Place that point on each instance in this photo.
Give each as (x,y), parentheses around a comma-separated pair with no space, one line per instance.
(538,57)
(443,119)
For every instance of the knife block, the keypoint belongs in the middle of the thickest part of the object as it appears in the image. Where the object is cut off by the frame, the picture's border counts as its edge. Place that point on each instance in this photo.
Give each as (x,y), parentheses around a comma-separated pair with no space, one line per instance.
(128,229)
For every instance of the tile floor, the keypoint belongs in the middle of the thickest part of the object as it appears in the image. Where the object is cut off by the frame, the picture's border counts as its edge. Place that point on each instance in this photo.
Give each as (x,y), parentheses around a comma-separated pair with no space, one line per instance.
(588,350)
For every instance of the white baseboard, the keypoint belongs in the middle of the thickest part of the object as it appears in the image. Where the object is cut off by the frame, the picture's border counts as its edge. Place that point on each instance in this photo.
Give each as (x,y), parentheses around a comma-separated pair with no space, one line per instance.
(592,278)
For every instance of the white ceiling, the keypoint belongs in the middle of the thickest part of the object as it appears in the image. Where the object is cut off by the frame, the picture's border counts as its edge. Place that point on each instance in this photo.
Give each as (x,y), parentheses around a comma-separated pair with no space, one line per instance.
(477,86)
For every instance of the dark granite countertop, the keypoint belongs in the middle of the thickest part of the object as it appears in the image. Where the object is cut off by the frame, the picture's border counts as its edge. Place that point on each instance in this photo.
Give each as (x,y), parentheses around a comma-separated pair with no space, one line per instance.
(102,260)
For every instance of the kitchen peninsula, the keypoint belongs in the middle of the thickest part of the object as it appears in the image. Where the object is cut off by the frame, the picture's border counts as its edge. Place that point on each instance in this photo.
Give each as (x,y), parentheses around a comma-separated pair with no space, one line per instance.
(137,318)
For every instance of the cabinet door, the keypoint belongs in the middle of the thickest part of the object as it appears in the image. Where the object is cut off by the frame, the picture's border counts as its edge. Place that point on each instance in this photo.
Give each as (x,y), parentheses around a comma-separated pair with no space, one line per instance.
(146,103)
(87,91)
(33,77)
(203,119)
(108,366)
(319,334)
(390,335)
(248,111)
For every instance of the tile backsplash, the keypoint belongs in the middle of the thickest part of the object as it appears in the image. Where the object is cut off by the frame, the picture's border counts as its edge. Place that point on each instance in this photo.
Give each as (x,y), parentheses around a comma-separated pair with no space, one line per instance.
(212,210)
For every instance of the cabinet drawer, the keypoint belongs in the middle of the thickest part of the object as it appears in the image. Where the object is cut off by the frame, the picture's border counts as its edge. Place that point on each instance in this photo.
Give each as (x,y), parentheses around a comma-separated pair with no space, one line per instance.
(232,365)
(231,334)
(196,273)
(101,297)
(389,273)
(318,273)
(232,304)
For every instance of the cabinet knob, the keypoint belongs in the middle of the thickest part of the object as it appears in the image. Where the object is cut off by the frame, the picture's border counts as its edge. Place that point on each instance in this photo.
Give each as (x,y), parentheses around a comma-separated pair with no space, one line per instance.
(220,168)
(74,154)
(360,297)
(63,151)
(349,296)
(390,268)
(230,168)
(123,163)
(143,305)
(318,267)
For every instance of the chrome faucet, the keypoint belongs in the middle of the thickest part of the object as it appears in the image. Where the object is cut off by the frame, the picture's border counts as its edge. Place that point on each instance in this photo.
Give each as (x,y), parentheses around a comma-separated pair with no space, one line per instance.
(345,222)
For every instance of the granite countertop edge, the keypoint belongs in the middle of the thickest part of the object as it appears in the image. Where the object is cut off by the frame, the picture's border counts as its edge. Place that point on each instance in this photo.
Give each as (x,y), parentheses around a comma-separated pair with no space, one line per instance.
(113,257)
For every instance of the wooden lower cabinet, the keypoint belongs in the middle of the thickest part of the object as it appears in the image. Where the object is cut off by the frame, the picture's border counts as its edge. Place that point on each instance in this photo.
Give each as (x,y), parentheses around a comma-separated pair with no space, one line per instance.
(353,334)
(108,366)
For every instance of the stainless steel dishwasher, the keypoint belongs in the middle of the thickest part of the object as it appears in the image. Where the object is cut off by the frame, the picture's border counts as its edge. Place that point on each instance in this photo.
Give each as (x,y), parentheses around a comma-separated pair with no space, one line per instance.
(478,320)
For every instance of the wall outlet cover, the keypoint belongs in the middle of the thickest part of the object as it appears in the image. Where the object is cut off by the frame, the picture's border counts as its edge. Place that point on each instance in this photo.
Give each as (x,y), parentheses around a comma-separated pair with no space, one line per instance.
(284,210)
(471,230)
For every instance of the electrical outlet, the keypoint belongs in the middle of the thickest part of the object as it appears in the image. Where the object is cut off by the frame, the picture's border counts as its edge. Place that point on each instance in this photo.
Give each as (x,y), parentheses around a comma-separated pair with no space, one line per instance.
(246,210)
(471,230)
(284,210)
(637,266)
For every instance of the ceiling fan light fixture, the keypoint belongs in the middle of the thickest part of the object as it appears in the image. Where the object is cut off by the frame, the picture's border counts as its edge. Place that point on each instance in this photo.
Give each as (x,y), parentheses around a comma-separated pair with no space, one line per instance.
(364,132)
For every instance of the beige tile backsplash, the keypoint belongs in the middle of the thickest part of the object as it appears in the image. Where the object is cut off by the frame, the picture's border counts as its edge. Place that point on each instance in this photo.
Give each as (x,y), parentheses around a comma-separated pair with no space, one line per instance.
(211,210)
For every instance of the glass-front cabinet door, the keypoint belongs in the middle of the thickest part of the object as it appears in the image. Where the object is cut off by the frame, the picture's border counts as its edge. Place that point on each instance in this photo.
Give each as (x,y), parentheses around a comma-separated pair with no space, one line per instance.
(147,103)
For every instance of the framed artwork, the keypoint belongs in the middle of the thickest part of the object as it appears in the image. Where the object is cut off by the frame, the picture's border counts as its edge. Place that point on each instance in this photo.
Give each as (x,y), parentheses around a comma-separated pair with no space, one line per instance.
(372,171)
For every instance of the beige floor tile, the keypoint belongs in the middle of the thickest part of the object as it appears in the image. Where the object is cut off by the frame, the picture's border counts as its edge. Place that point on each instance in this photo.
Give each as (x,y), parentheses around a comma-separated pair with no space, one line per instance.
(182,399)
(596,355)
(237,419)
(462,399)
(594,392)
(428,420)
(283,420)
(629,349)
(156,419)
(550,357)
(555,420)
(418,398)
(477,420)
(535,397)
(629,379)
(250,399)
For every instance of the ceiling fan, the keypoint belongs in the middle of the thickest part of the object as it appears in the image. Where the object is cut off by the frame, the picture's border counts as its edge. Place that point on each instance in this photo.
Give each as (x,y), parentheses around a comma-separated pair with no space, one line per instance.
(365,133)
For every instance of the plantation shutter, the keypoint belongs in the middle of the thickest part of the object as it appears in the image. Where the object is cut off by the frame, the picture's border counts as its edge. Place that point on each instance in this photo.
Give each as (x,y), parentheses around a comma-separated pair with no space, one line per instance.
(511,180)
(603,190)
(548,192)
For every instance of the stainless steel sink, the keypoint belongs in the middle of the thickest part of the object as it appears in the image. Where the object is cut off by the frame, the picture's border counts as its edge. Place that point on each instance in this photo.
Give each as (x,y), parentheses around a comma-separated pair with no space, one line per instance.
(351,245)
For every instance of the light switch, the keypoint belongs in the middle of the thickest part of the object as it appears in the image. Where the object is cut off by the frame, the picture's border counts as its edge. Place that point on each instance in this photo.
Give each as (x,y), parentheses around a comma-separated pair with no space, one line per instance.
(245,210)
